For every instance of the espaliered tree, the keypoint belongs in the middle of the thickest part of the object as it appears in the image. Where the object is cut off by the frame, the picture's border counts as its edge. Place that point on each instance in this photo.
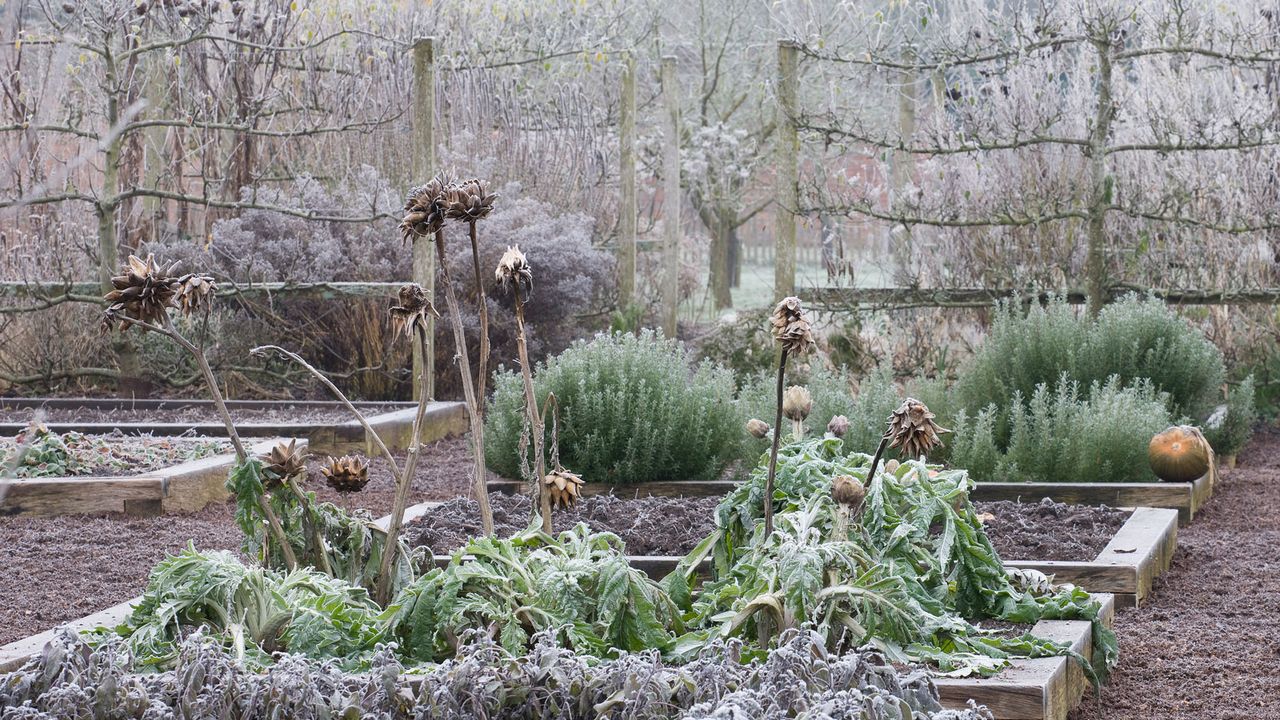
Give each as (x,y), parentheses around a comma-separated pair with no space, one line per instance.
(160,117)
(1038,143)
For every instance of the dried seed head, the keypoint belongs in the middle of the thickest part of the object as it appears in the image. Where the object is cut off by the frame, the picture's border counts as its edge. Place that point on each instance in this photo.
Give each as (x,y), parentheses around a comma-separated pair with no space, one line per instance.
(468,200)
(347,474)
(846,490)
(195,293)
(838,426)
(790,328)
(912,429)
(412,312)
(563,486)
(758,428)
(797,403)
(514,272)
(424,210)
(143,292)
(284,462)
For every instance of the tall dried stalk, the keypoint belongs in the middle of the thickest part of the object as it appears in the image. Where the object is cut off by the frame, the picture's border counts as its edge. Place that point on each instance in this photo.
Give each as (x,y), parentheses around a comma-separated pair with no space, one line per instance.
(468,388)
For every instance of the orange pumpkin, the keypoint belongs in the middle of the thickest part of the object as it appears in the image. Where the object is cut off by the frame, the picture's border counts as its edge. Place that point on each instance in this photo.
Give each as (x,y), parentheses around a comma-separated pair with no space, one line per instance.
(1180,454)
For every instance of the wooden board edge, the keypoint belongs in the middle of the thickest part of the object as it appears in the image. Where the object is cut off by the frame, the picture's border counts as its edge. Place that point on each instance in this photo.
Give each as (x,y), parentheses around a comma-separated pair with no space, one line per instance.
(1145,544)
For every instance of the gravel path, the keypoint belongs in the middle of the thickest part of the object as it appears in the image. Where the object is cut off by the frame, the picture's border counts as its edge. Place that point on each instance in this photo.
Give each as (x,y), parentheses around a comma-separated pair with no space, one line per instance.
(1206,645)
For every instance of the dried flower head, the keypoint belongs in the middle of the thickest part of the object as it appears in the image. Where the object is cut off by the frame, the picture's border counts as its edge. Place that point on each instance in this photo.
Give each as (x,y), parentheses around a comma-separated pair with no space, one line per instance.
(468,200)
(413,310)
(838,426)
(284,461)
(143,292)
(758,428)
(195,293)
(790,327)
(846,490)
(563,486)
(912,429)
(347,474)
(424,210)
(797,403)
(513,272)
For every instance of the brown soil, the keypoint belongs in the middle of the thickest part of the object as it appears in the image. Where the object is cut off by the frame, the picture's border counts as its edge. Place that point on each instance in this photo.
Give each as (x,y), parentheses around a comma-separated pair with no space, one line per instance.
(648,525)
(1205,644)
(300,414)
(57,569)
(62,568)
(1049,530)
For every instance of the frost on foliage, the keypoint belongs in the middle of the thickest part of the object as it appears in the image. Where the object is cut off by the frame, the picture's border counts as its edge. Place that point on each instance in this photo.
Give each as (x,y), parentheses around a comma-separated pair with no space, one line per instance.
(799,680)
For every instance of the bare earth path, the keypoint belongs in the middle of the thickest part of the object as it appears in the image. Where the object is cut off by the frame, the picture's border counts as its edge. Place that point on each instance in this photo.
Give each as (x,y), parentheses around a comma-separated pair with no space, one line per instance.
(1207,644)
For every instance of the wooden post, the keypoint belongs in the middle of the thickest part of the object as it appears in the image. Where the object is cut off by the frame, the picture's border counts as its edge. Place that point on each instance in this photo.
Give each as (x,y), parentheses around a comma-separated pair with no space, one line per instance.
(670,198)
(424,163)
(1095,268)
(787,192)
(627,185)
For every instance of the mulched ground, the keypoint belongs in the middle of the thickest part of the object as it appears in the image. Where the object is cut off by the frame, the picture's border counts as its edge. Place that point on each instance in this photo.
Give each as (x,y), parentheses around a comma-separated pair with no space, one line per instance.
(668,526)
(196,414)
(648,525)
(1049,530)
(1206,644)
(57,569)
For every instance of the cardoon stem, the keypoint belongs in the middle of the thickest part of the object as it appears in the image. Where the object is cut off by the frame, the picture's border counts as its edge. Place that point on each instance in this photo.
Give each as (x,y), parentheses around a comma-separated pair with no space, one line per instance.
(540,495)
(468,389)
(403,485)
(773,451)
(482,372)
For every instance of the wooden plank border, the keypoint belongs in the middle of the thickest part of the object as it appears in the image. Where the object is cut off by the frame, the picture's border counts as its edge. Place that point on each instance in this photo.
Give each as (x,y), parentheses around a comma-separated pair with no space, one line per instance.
(1036,688)
(1186,498)
(442,419)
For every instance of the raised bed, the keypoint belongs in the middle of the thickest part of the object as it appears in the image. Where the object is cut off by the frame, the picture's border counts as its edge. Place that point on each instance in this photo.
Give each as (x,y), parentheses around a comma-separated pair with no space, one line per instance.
(1186,498)
(186,487)
(393,421)
(1035,688)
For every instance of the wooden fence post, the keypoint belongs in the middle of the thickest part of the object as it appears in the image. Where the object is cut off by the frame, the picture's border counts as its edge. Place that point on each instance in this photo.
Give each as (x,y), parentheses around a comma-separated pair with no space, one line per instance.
(424,163)
(670,198)
(627,185)
(787,192)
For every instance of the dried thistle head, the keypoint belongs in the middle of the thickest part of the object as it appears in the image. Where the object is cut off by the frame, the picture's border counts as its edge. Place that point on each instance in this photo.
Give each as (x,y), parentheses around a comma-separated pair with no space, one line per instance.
(797,403)
(347,474)
(195,293)
(424,209)
(468,200)
(790,327)
(563,486)
(143,292)
(283,462)
(912,429)
(758,428)
(514,272)
(413,310)
(846,490)
(838,426)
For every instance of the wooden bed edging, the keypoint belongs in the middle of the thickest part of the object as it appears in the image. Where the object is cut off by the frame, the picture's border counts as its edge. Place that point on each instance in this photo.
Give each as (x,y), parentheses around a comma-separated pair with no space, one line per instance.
(1036,688)
(443,419)
(1127,567)
(190,486)
(1186,498)
(185,487)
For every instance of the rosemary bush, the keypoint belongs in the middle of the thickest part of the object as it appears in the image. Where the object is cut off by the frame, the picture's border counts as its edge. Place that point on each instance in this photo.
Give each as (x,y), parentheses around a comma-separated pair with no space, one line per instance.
(1137,340)
(630,410)
(1065,434)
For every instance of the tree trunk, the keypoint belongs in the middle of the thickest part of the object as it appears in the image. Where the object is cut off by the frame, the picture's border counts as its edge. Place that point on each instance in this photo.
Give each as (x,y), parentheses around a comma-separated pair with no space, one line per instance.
(722,228)
(1100,202)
